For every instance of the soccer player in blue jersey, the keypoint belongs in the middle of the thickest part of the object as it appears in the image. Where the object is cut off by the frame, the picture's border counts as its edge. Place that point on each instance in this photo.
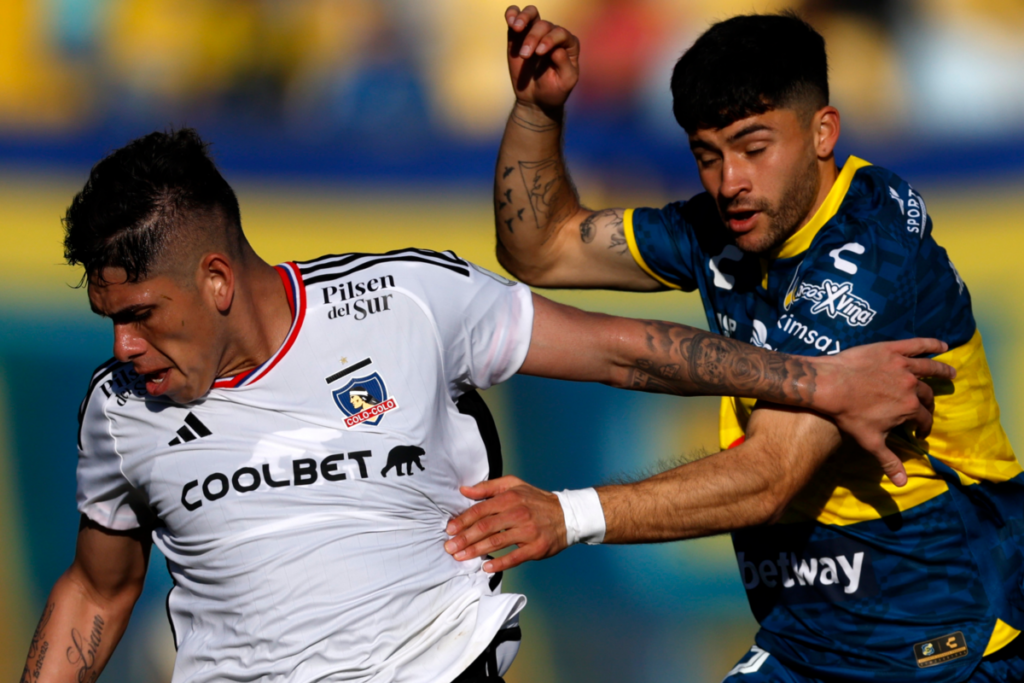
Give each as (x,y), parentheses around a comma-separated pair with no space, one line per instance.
(850,575)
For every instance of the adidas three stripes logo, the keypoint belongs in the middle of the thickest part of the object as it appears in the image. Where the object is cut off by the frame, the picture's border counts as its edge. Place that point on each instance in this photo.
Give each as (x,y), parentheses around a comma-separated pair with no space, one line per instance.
(198,431)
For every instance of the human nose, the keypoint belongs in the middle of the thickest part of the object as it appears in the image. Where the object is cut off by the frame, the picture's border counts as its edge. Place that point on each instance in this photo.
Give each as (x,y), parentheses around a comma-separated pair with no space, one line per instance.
(127,344)
(735,179)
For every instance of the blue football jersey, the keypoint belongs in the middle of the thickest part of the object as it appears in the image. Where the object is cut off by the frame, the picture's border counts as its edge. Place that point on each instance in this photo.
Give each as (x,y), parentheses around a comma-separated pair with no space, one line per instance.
(862,580)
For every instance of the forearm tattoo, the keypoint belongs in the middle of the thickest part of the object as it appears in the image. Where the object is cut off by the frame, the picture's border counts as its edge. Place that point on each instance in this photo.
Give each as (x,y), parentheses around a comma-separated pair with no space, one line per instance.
(84,651)
(38,648)
(548,190)
(686,361)
(540,192)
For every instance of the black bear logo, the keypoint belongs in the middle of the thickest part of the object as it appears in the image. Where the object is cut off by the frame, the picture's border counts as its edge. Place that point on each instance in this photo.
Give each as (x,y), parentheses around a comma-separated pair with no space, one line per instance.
(403,455)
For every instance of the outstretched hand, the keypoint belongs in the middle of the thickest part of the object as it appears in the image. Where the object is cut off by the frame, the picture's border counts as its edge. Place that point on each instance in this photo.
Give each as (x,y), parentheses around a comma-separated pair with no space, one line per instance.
(512,513)
(543,59)
(871,390)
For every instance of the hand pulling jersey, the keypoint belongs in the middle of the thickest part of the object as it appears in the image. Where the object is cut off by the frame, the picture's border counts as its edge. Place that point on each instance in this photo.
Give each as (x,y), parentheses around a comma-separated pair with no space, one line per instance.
(302,505)
(862,580)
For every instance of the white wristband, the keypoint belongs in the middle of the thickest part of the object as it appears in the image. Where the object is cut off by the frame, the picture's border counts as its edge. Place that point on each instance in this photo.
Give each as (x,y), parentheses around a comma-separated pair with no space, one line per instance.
(584,516)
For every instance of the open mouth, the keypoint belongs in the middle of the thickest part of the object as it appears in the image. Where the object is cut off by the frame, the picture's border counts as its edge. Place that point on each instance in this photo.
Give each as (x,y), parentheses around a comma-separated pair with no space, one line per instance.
(741,221)
(155,381)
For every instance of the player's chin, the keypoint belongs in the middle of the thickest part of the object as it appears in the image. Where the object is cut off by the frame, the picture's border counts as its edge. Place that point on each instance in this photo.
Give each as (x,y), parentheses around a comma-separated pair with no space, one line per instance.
(182,392)
(753,242)
(758,241)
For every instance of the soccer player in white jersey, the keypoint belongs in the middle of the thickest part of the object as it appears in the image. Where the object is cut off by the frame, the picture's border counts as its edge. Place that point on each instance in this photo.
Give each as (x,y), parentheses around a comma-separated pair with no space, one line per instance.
(293,438)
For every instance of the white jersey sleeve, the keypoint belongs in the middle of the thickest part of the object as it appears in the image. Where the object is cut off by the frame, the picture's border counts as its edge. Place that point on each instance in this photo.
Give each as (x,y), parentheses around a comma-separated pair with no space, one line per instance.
(485,326)
(104,495)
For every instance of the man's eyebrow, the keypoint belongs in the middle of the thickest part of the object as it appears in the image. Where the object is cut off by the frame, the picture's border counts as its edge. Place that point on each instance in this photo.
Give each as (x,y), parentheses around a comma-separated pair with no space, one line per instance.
(126,312)
(752,128)
(700,144)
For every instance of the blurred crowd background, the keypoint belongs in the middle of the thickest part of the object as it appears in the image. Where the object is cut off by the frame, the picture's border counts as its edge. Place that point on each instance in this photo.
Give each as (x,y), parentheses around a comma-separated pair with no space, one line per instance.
(368,125)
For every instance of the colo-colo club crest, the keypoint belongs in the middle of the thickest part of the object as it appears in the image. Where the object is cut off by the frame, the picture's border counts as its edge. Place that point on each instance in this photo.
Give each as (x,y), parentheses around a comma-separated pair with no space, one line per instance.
(364,400)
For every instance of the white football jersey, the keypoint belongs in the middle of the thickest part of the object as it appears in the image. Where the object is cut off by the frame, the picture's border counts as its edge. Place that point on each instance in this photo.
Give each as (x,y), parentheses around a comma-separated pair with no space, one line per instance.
(302,506)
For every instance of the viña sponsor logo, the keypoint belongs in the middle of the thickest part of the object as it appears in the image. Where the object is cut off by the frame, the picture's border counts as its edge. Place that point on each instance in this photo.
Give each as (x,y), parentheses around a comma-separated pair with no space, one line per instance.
(837,300)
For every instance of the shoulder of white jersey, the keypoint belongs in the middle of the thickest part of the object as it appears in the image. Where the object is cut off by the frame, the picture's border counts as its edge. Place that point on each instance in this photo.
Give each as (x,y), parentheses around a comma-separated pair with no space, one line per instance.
(111,381)
(339,266)
(99,376)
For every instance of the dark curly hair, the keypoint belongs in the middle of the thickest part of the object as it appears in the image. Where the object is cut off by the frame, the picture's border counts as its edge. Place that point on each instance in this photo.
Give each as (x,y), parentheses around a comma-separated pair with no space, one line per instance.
(748,65)
(139,196)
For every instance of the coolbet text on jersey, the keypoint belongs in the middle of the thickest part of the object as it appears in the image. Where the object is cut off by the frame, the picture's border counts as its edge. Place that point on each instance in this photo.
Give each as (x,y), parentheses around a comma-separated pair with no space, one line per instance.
(302,506)
(862,580)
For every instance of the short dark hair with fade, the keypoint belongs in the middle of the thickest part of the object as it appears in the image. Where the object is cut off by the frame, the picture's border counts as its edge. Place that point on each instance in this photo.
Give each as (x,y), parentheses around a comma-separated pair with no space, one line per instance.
(136,197)
(748,65)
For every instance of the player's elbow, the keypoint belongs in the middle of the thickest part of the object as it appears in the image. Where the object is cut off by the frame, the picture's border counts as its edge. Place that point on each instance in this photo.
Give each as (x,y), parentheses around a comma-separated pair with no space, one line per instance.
(525,267)
(113,595)
(774,492)
(773,506)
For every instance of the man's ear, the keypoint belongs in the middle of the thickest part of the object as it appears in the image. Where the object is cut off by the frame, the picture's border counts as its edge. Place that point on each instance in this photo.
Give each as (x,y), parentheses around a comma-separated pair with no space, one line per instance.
(217,280)
(826,131)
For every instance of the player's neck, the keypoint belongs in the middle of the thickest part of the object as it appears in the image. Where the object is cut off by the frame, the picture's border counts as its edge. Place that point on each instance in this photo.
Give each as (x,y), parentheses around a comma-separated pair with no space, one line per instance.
(827,175)
(264,317)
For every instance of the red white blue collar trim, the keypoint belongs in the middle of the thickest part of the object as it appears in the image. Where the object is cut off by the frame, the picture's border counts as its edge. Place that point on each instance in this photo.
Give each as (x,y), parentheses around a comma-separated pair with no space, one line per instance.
(292,280)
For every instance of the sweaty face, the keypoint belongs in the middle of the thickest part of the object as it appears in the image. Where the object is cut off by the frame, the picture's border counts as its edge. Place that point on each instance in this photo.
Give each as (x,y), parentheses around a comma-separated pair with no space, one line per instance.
(763,173)
(166,330)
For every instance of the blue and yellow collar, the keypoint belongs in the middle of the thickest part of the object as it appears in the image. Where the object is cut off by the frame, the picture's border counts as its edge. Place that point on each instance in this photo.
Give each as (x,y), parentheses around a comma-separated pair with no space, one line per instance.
(800,240)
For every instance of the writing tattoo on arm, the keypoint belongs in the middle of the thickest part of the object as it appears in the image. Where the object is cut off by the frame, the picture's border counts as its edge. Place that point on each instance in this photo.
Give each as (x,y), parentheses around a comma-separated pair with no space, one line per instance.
(685,361)
(83,652)
(38,648)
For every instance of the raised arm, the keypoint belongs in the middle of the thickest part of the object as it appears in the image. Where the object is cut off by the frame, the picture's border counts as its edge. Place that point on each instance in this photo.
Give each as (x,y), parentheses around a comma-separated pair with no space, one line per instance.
(868,390)
(745,486)
(545,237)
(88,609)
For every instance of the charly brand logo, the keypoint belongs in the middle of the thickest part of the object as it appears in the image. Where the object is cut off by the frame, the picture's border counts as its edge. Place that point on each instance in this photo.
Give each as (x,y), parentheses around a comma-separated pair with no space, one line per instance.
(192,429)
(841,262)
(837,300)
(724,280)
(940,650)
(364,400)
